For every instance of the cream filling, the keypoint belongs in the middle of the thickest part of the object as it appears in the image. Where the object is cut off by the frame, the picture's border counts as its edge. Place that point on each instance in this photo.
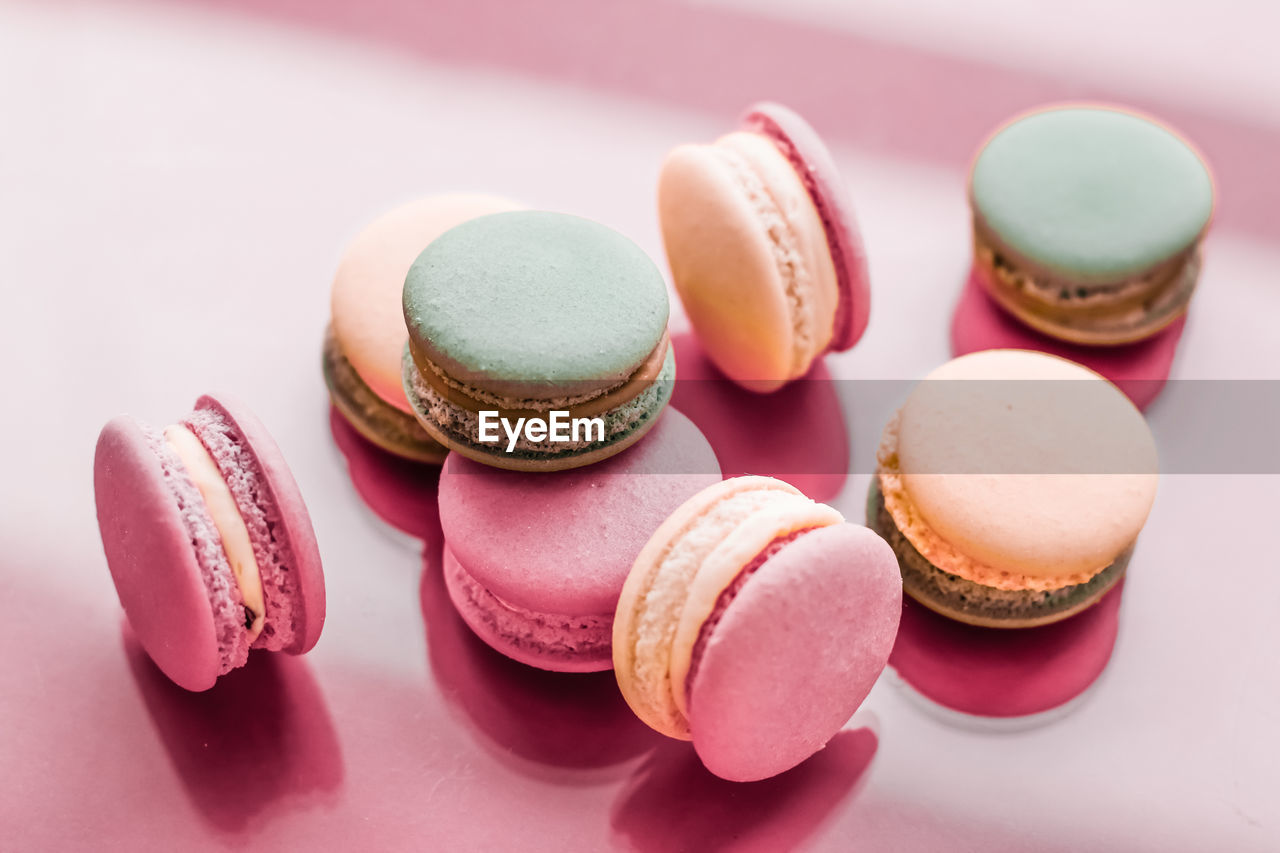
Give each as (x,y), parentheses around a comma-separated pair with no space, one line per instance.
(517,403)
(226,518)
(645,634)
(785,247)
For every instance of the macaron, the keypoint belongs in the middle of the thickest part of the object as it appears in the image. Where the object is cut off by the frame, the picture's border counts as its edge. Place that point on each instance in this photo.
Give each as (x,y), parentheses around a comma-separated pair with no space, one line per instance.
(1012,485)
(365,339)
(1088,222)
(753,623)
(534,562)
(208,541)
(764,249)
(537,341)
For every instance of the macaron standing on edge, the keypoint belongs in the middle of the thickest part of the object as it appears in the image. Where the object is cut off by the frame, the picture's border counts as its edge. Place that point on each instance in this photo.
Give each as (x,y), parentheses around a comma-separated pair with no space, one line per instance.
(764,249)
(208,541)
(753,623)
(365,340)
(534,561)
(513,317)
(1088,222)
(1012,485)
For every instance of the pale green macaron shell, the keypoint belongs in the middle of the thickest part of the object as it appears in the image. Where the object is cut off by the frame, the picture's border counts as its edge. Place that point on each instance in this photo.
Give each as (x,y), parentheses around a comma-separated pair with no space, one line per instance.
(534,305)
(1091,193)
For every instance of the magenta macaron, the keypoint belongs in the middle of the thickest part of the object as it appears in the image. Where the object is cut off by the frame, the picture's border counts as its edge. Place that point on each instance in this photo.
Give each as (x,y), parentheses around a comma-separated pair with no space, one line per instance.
(534,561)
(208,541)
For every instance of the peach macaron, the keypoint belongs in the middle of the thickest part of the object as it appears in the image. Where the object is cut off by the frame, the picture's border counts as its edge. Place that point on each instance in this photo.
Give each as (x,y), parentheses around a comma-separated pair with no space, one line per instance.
(366,336)
(764,249)
(1013,485)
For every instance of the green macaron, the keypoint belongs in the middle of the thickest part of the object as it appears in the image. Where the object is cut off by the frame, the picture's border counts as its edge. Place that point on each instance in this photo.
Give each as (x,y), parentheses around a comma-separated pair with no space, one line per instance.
(537,340)
(1088,222)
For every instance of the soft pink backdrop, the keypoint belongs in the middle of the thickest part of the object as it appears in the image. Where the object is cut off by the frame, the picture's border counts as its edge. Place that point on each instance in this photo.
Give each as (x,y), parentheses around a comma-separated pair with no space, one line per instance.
(178,180)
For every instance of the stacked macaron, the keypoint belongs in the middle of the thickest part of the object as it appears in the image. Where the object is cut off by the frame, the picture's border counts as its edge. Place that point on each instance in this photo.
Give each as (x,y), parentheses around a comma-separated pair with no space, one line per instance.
(517,318)
(523,314)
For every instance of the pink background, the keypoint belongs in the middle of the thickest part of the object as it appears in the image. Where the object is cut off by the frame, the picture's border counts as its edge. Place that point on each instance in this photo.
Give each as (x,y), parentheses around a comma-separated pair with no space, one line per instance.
(176,184)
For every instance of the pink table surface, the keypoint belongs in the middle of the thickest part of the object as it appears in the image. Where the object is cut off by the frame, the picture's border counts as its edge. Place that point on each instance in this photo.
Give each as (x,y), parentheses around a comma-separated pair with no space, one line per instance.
(175,186)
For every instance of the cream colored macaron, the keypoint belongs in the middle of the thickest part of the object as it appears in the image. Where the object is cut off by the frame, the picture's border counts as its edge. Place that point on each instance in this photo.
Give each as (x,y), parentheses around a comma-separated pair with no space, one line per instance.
(1013,485)
(764,250)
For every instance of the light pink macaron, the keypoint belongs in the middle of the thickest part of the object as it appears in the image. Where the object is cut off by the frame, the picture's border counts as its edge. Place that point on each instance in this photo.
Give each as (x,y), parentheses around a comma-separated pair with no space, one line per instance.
(754,622)
(534,561)
(764,248)
(208,541)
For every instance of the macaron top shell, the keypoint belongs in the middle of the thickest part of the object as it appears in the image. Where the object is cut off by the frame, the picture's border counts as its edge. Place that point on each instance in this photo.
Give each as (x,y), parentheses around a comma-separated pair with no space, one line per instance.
(563,542)
(821,611)
(294,534)
(812,160)
(150,554)
(1092,193)
(535,304)
(1026,463)
(365,299)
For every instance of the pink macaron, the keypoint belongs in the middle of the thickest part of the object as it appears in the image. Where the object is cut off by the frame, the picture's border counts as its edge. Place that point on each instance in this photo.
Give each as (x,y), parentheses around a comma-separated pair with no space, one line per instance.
(534,562)
(208,541)
(764,248)
(753,623)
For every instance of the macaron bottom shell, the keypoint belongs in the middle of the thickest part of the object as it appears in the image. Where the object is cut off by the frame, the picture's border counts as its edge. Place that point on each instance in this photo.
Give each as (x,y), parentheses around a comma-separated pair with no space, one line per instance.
(551,641)
(457,427)
(377,420)
(975,604)
(536,560)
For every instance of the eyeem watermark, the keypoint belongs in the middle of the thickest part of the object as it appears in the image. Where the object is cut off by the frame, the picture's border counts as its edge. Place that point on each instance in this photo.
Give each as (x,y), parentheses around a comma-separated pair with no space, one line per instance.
(558,427)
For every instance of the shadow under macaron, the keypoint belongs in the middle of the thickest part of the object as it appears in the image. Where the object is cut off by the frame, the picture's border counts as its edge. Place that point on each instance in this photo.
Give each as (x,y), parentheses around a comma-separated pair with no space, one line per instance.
(556,724)
(1009,674)
(399,492)
(672,802)
(798,434)
(259,741)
